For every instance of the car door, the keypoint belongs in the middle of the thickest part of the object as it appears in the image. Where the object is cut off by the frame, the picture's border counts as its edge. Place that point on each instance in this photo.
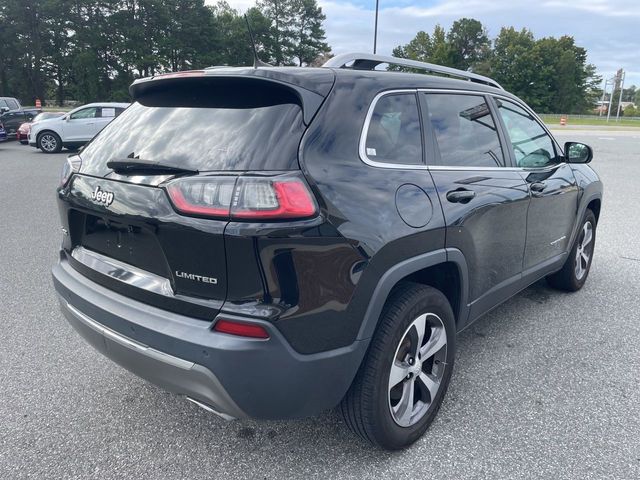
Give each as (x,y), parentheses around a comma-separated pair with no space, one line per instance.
(483,199)
(552,185)
(12,121)
(80,126)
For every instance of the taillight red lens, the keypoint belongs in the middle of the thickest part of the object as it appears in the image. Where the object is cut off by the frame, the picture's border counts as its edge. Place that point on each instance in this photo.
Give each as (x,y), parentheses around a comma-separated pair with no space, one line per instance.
(241,329)
(263,199)
(248,198)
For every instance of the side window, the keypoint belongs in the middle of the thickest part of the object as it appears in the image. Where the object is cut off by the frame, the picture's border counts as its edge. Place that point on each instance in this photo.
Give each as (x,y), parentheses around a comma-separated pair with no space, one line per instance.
(532,145)
(464,130)
(90,112)
(12,104)
(108,112)
(394,134)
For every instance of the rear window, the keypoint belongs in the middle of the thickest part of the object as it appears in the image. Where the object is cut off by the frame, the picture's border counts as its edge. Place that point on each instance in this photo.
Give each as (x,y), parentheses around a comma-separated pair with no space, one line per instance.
(222,134)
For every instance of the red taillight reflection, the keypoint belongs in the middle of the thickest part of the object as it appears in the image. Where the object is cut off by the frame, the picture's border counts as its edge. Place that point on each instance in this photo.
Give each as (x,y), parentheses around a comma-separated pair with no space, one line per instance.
(241,329)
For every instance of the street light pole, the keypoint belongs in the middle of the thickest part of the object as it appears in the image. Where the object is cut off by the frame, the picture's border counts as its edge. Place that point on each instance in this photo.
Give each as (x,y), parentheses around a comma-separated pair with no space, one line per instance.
(613,89)
(620,100)
(604,92)
(375,30)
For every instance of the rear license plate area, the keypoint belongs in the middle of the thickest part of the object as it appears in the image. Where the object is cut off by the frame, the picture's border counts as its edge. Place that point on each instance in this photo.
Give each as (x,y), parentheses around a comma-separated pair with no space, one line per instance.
(132,244)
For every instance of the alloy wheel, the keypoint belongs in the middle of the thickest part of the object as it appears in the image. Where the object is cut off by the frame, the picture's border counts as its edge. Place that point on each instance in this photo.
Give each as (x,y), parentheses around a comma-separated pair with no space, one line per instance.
(417,370)
(584,250)
(48,142)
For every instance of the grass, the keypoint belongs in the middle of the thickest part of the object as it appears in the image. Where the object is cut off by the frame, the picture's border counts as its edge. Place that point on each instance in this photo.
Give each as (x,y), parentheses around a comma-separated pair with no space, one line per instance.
(55,109)
(554,121)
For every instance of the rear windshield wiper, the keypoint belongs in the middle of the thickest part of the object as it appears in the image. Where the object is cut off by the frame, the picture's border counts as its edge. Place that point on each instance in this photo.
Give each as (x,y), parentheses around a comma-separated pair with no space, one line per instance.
(135,165)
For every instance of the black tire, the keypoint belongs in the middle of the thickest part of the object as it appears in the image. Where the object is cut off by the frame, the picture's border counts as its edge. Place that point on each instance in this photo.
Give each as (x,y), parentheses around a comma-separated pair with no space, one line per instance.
(367,407)
(568,277)
(49,142)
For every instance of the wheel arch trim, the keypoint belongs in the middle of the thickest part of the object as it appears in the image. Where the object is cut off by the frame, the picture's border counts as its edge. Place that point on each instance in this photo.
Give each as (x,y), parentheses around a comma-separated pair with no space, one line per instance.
(582,208)
(401,270)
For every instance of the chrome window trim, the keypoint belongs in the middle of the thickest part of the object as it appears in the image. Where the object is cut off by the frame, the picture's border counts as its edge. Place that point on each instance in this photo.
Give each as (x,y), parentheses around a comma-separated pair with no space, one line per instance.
(365,131)
(362,150)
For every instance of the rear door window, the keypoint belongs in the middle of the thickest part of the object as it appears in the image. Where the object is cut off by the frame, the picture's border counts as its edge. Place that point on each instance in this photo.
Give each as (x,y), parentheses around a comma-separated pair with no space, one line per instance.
(464,131)
(394,135)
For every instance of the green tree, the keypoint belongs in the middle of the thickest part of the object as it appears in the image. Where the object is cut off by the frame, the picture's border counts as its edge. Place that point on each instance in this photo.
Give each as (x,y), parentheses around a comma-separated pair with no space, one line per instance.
(281,14)
(629,94)
(309,36)
(468,43)
(426,48)
(88,51)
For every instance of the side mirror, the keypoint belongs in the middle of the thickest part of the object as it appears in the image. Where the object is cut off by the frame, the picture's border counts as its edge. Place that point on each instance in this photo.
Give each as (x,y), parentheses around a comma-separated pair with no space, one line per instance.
(4,109)
(576,152)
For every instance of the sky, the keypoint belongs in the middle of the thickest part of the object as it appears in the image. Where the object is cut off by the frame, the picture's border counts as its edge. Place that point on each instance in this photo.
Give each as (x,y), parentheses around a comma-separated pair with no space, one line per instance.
(608,29)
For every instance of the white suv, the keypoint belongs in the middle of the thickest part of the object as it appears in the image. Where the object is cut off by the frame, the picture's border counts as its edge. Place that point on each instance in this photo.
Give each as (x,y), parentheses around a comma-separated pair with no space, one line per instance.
(75,128)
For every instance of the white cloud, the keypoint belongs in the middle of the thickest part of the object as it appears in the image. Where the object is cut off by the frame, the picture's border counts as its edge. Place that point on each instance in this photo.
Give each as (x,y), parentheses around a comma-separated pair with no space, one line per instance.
(606,28)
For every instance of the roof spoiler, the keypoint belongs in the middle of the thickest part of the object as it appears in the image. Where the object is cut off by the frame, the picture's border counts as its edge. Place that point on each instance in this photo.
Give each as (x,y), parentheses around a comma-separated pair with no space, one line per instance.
(367,61)
(226,78)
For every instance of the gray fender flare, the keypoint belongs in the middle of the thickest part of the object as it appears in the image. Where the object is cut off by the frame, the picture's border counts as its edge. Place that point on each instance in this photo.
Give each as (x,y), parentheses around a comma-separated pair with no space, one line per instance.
(411,265)
(584,202)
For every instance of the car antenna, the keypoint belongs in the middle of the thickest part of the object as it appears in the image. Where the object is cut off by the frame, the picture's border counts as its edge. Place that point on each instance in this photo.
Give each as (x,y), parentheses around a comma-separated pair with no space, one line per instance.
(256,60)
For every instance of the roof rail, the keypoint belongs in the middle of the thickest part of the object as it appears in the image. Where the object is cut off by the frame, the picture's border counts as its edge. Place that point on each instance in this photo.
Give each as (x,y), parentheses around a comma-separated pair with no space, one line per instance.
(367,61)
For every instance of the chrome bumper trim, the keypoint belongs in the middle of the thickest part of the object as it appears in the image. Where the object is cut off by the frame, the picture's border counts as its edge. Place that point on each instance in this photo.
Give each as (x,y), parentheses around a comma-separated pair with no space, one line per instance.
(123,272)
(127,342)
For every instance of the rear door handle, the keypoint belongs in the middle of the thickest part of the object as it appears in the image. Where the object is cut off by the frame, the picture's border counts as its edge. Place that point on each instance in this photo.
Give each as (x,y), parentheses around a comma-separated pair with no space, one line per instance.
(461,195)
(538,187)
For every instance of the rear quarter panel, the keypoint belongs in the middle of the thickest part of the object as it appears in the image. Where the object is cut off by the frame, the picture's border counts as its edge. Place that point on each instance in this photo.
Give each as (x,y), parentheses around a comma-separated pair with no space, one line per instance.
(359,200)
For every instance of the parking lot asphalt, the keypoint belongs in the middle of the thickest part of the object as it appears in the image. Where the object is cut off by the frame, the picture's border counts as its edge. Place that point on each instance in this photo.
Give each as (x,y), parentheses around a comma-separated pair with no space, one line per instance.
(546,386)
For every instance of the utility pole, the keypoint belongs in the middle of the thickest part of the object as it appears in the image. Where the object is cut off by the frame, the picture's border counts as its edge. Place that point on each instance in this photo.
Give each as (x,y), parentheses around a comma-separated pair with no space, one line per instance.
(624,74)
(610,102)
(375,30)
(604,92)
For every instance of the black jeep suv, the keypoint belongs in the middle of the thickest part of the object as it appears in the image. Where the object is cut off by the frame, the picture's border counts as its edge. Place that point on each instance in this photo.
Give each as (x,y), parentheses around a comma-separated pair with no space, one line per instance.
(272,242)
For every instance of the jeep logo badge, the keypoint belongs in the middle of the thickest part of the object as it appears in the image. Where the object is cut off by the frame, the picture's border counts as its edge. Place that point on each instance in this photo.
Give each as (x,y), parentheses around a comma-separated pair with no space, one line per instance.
(102,196)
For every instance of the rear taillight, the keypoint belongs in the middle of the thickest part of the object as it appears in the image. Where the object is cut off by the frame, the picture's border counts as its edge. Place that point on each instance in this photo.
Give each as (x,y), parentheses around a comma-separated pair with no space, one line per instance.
(71,166)
(243,198)
(206,196)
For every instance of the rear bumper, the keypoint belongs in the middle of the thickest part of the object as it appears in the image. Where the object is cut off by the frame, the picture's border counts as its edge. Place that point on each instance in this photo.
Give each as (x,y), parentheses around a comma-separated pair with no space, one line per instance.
(234,376)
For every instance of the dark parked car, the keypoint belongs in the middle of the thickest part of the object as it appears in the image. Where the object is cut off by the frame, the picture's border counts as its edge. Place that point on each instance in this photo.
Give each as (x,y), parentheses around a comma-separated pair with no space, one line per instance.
(9,103)
(12,115)
(323,237)
(22,134)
